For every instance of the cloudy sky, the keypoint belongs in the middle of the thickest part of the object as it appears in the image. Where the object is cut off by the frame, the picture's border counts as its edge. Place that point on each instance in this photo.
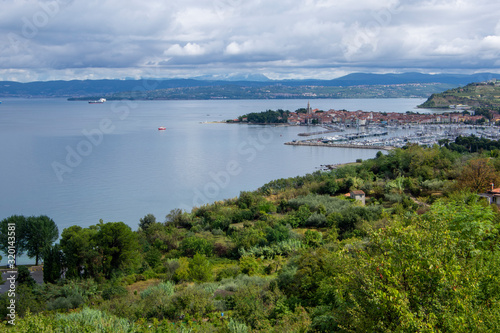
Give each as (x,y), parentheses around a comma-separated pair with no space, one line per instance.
(93,39)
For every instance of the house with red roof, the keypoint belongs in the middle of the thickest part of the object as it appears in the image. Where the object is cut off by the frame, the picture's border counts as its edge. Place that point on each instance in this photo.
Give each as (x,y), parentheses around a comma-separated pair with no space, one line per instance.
(493,195)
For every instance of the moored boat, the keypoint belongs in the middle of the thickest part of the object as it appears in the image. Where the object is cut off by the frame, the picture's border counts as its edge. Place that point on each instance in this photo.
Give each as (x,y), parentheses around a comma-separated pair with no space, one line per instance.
(162,128)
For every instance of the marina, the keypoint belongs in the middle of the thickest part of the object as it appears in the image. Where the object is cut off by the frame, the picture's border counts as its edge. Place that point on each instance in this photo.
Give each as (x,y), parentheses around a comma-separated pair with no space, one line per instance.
(390,137)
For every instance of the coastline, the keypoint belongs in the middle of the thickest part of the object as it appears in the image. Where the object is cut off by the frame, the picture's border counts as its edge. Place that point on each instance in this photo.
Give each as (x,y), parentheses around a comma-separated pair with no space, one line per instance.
(338,145)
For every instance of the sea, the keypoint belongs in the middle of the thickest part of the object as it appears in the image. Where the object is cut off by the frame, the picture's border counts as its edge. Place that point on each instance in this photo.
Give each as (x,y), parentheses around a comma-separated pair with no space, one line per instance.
(78,162)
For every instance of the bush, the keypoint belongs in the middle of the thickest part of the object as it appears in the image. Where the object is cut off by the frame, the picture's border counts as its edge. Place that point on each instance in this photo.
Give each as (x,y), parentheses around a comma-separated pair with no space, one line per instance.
(250,266)
(89,320)
(316,220)
(113,291)
(162,289)
(316,201)
(192,245)
(66,303)
(236,327)
(200,269)
(24,276)
(228,272)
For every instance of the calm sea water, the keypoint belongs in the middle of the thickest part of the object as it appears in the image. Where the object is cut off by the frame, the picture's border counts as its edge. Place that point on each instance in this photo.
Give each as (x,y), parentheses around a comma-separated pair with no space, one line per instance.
(78,162)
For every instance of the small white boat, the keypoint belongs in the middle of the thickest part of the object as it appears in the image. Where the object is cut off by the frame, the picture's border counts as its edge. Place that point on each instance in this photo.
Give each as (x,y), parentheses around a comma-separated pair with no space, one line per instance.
(162,128)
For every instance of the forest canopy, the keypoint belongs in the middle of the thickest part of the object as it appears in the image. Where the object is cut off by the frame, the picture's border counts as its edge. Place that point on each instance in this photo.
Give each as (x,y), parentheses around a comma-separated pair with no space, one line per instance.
(297,255)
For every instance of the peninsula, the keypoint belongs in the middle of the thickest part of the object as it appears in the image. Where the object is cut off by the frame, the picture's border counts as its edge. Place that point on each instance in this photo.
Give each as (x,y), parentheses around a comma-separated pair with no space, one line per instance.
(484,94)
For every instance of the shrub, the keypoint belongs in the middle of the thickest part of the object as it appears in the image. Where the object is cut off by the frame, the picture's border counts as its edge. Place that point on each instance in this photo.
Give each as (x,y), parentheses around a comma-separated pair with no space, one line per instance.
(316,220)
(250,266)
(316,201)
(192,245)
(200,269)
(228,272)
(113,291)
(236,327)
(89,320)
(163,289)
(24,276)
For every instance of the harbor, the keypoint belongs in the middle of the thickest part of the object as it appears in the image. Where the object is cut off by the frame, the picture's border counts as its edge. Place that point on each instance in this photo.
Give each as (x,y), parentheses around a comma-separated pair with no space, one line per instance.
(338,145)
(396,136)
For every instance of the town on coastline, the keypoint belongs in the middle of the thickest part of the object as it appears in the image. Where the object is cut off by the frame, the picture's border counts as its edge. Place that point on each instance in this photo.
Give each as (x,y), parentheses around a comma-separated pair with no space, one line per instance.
(381,130)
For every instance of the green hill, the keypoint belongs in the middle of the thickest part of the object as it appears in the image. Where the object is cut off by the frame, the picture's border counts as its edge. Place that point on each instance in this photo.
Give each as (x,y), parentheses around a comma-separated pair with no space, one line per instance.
(477,95)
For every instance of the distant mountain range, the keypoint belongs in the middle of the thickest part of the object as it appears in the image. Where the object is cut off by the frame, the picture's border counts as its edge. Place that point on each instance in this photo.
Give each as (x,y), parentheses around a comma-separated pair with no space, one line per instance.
(81,89)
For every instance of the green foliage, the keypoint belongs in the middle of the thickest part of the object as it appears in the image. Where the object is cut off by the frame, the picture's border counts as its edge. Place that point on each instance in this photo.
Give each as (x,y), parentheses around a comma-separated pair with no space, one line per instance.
(472,144)
(200,269)
(162,289)
(153,257)
(250,265)
(277,233)
(65,303)
(348,219)
(113,291)
(313,238)
(468,220)
(192,245)
(316,220)
(117,246)
(267,117)
(147,221)
(248,237)
(315,202)
(182,271)
(178,218)
(376,268)
(89,320)
(282,248)
(228,272)
(80,253)
(53,264)
(24,276)
(13,226)
(41,232)
(236,327)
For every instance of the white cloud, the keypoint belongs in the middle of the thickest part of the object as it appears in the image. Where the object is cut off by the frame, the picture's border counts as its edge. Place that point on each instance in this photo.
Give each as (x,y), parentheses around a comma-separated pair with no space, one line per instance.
(190,49)
(281,38)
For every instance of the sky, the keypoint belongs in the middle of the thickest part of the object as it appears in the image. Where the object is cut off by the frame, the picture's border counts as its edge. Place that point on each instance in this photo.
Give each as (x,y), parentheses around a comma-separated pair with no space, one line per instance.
(283,39)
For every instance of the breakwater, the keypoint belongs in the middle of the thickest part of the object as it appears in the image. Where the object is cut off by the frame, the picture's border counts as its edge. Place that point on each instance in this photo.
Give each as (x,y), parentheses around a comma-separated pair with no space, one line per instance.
(338,145)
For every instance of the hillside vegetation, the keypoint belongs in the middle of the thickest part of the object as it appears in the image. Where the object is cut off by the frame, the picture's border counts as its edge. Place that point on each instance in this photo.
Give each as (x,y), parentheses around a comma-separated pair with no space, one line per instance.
(297,255)
(474,94)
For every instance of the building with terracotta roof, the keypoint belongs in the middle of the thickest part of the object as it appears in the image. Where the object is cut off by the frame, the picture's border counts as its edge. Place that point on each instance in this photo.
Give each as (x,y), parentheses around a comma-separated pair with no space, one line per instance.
(358,195)
(493,195)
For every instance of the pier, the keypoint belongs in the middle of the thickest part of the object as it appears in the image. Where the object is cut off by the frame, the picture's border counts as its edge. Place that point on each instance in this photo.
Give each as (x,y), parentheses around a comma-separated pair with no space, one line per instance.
(338,145)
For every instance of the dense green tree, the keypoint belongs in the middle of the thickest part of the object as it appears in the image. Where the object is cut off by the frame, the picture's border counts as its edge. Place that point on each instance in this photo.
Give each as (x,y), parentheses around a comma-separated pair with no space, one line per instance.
(41,232)
(182,271)
(178,218)
(80,251)
(153,257)
(24,277)
(192,245)
(117,247)
(267,117)
(146,221)
(53,263)
(277,233)
(478,175)
(249,236)
(13,240)
(313,238)
(200,269)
